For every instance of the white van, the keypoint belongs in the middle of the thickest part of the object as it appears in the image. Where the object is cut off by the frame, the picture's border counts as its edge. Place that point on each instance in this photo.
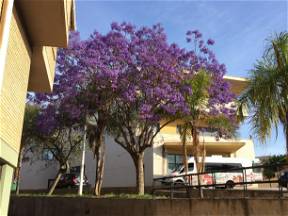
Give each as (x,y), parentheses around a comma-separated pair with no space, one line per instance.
(214,164)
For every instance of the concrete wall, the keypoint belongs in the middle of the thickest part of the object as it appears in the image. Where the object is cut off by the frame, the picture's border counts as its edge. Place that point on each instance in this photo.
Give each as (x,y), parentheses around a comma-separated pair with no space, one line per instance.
(34,206)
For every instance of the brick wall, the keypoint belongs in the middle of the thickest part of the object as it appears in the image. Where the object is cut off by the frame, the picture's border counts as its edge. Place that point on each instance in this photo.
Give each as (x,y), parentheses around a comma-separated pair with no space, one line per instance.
(1,3)
(15,84)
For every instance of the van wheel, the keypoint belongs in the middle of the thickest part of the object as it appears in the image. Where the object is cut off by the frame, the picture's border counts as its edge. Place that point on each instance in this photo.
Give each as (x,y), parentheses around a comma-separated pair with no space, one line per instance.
(229,184)
(178,182)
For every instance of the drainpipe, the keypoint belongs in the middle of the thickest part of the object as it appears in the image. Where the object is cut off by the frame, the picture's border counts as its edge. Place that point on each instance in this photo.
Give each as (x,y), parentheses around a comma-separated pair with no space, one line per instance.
(5,20)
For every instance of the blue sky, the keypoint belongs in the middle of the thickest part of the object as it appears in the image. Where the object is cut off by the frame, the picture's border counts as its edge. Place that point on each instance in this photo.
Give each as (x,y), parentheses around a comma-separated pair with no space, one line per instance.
(238,27)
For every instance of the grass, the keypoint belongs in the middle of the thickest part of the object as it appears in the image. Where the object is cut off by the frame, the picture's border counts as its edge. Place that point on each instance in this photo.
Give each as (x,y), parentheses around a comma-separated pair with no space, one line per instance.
(108,195)
(132,196)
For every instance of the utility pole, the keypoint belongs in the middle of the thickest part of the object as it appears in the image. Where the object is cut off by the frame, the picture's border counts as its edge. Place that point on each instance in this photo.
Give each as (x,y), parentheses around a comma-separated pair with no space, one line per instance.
(80,190)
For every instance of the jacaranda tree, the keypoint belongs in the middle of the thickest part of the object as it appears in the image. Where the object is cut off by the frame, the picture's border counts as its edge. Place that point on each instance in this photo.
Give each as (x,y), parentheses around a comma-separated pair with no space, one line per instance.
(126,82)
(100,89)
(61,117)
(149,87)
(62,138)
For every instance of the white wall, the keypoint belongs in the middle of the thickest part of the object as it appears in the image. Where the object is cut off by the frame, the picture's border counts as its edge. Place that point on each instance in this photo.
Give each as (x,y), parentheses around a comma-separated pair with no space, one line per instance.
(119,169)
(35,175)
(159,162)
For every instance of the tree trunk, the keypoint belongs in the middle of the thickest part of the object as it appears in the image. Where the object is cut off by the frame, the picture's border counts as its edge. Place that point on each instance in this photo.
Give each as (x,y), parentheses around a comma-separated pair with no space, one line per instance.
(286,134)
(185,160)
(196,147)
(62,170)
(139,166)
(98,146)
(17,172)
(55,182)
(100,162)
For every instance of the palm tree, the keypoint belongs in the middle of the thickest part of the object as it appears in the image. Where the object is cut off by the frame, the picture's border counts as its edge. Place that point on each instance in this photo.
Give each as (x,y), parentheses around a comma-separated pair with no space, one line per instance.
(266,96)
(197,118)
(189,129)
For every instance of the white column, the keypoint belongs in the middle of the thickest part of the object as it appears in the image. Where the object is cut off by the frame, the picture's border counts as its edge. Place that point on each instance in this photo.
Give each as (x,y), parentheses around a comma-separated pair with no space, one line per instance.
(80,191)
(5,188)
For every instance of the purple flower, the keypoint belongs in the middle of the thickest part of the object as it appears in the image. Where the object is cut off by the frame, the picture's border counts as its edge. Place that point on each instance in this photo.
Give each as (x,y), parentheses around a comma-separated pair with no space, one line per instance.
(115,26)
(197,34)
(133,75)
(210,42)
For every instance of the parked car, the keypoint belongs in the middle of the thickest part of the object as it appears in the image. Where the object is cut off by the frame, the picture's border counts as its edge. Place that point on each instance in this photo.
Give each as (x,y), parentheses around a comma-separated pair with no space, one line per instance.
(71,180)
(283,180)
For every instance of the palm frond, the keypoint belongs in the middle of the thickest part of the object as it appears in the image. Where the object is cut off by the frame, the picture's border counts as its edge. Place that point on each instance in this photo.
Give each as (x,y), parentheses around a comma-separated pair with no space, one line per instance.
(266,96)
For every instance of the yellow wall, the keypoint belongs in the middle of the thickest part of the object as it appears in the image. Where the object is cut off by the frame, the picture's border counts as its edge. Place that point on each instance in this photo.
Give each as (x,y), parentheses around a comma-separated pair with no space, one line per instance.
(68,7)
(1,21)
(170,128)
(51,53)
(15,84)
(247,151)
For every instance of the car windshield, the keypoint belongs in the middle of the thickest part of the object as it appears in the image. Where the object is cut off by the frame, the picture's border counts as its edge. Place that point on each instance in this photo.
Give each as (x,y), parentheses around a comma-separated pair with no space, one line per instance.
(178,168)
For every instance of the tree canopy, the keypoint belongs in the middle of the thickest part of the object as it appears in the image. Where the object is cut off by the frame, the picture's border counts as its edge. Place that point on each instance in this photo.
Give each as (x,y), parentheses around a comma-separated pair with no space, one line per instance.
(128,80)
(266,96)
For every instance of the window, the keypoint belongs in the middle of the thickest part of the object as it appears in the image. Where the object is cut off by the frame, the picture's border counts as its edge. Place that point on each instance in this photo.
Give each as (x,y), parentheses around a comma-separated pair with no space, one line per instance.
(174,161)
(47,155)
(229,166)
(190,168)
(212,167)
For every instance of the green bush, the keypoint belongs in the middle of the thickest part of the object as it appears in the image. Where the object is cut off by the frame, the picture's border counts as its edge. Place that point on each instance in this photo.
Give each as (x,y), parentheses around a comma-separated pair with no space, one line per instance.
(269,172)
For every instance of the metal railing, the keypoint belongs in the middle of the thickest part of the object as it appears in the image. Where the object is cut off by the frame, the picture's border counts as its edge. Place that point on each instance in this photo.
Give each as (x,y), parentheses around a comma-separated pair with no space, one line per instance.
(244,179)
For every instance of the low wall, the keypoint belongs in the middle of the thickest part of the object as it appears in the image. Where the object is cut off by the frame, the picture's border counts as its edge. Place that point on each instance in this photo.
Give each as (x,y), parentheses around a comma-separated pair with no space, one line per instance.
(220,193)
(62,206)
(178,193)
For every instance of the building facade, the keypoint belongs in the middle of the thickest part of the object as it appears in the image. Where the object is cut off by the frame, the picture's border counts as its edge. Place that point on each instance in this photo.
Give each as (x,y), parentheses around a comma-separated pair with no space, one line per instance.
(30,32)
(165,155)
